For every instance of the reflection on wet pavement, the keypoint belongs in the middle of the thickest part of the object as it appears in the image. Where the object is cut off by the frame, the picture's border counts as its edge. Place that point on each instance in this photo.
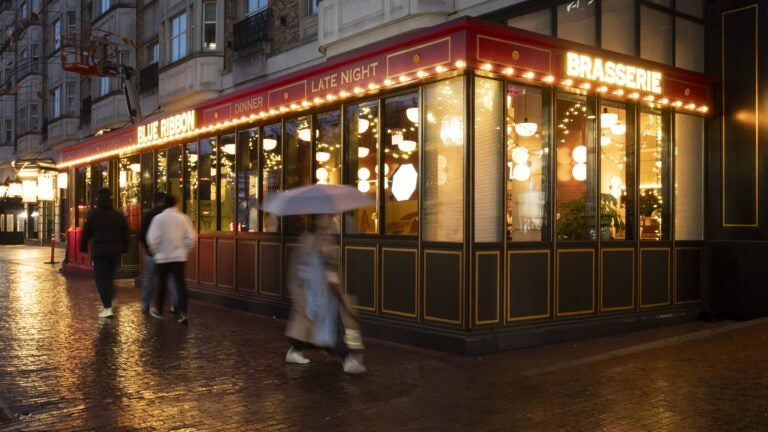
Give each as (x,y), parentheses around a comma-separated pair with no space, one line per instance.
(63,368)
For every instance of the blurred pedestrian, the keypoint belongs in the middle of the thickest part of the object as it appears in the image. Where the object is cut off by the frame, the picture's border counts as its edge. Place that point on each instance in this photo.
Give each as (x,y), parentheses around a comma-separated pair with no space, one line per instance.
(106,229)
(170,237)
(149,279)
(320,315)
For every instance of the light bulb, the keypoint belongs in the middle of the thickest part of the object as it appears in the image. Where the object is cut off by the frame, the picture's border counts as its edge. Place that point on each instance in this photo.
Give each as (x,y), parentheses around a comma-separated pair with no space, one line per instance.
(322,156)
(363,186)
(605,140)
(579,172)
(363,173)
(412,114)
(362,152)
(615,182)
(521,172)
(608,119)
(269,144)
(526,128)
(362,125)
(520,154)
(619,128)
(580,154)
(321,174)
(408,145)
(305,134)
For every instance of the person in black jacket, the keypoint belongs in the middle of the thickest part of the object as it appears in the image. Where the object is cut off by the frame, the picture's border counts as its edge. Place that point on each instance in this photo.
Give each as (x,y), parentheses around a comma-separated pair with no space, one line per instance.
(107,231)
(149,280)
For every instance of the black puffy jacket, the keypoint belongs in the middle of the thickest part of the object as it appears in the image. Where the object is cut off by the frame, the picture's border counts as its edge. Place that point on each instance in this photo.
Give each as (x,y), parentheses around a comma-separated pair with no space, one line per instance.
(106,229)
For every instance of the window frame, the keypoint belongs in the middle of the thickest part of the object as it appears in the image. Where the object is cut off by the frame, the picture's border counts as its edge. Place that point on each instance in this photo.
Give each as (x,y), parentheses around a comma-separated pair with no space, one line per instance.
(178,37)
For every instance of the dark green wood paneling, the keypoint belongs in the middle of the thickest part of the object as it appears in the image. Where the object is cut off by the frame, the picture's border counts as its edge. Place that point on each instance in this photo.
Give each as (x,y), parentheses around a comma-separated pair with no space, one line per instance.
(246,265)
(442,286)
(688,275)
(654,277)
(618,279)
(398,288)
(269,269)
(360,275)
(528,285)
(487,286)
(576,282)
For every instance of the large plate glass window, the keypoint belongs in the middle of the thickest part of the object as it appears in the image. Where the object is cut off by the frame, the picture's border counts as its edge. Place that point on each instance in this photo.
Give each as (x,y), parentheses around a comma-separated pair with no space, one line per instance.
(129,182)
(444,161)
(174,162)
(489,152)
(575,171)
(190,186)
(147,191)
(616,174)
(402,118)
(248,180)
(298,166)
(225,176)
(206,183)
(82,193)
(362,132)
(328,148)
(271,170)
(653,199)
(527,159)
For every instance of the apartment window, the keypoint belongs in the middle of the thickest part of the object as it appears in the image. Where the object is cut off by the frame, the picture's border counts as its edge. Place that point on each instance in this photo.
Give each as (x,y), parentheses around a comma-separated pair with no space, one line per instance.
(35,112)
(179,37)
(104,5)
(8,131)
(153,53)
(209,26)
(57,34)
(71,98)
(22,120)
(254,6)
(71,24)
(311,7)
(35,58)
(56,103)
(103,86)
(24,10)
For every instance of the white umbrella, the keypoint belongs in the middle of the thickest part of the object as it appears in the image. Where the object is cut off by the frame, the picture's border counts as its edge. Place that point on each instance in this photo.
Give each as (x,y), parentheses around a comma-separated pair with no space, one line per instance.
(316,199)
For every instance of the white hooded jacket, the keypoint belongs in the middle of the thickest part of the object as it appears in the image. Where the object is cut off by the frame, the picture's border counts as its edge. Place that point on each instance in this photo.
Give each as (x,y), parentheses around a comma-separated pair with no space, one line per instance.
(170,236)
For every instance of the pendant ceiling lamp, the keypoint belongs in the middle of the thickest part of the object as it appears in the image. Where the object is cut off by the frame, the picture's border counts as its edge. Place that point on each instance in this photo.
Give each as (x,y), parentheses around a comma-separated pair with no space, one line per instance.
(526,128)
(608,119)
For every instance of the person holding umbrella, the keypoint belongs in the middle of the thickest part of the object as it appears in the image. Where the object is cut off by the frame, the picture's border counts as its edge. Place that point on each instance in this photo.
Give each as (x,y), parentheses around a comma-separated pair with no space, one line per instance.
(321,316)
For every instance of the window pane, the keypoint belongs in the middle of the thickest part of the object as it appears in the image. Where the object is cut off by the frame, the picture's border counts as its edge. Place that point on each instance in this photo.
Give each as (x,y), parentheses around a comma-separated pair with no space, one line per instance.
(655,35)
(129,176)
(689,45)
(616,185)
(190,186)
(298,166)
(328,148)
(82,193)
(174,173)
(618,26)
(689,178)
(489,111)
(161,171)
(574,138)
(444,161)
(362,122)
(527,165)
(271,170)
(206,186)
(539,22)
(691,7)
(248,180)
(209,26)
(654,174)
(147,190)
(225,177)
(576,21)
(401,164)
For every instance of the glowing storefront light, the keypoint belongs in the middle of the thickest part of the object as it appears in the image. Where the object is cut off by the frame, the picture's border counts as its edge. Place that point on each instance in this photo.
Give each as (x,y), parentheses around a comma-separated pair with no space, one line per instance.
(404,182)
(29,191)
(613,73)
(270,144)
(45,188)
(62,181)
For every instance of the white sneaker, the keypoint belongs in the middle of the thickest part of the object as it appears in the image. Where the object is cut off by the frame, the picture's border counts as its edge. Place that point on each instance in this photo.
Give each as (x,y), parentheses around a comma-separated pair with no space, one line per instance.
(352,366)
(294,356)
(106,313)
(155,313)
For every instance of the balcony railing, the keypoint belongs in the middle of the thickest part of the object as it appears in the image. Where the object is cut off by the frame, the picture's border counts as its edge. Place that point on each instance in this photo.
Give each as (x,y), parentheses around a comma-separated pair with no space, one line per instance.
(148,78)
(252,30)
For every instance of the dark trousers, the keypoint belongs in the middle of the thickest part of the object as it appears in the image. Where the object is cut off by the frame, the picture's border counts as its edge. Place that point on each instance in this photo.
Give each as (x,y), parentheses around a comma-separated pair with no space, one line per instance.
(176,270)
(104,268)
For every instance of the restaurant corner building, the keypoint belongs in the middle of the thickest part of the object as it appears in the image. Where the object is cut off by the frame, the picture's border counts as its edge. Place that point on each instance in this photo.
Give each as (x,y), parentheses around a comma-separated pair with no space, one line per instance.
(528,189)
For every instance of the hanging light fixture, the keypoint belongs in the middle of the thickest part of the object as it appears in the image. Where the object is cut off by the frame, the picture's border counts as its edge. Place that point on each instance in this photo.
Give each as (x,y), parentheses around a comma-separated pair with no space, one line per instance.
(362,126)
(269,144)
(608,119)
(305,134)
(619,128)
(412,114)
(605,140)
(526,128)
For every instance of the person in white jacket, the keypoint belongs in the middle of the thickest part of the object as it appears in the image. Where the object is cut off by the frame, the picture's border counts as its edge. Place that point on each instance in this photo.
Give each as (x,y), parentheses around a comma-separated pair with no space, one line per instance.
(170,238)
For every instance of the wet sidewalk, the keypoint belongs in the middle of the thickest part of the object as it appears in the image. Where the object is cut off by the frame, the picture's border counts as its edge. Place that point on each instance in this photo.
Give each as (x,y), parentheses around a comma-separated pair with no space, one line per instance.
(64,369)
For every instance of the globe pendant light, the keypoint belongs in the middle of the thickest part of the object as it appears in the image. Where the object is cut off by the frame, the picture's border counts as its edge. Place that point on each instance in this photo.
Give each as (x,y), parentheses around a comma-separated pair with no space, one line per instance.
(608,119)
(526,128)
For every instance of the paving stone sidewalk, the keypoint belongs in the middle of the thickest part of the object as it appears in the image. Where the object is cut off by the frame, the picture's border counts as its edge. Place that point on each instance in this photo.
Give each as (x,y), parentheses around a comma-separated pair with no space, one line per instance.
(64,369)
